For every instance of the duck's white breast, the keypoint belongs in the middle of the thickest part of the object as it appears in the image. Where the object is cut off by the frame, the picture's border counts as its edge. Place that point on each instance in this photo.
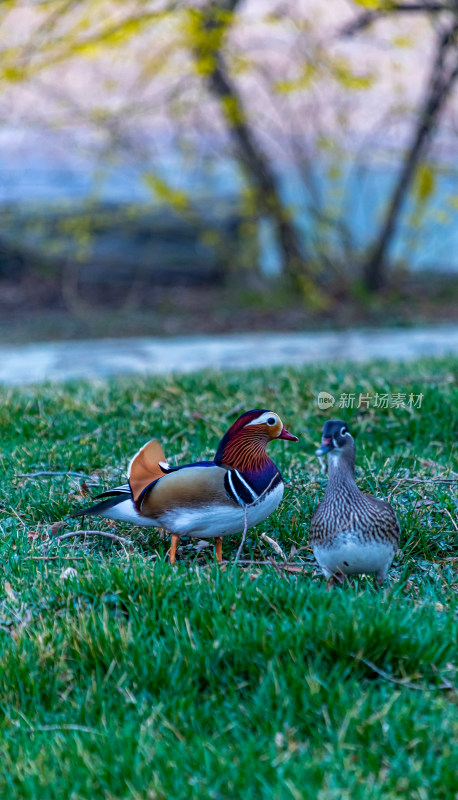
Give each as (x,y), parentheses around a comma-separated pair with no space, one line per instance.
(216,519)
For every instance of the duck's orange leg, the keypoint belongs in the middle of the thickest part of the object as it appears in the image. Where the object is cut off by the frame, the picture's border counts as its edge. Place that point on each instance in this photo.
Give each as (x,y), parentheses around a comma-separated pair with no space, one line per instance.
(219,548)
(173,548)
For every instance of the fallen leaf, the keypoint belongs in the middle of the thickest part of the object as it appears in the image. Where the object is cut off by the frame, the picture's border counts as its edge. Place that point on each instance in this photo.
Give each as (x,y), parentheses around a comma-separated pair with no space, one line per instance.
(32,536)
(424,502)
(56,527)
(9,591)
(275,546)
(446,684)
(68,573)
(200,544)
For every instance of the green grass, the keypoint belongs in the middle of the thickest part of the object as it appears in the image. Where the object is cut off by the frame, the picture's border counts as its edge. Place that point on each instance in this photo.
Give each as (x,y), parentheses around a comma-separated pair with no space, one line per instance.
(128,679)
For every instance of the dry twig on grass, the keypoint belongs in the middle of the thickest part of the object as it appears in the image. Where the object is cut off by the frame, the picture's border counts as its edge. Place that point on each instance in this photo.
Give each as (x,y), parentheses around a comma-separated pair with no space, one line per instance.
(447,685)
(289,566)
(113,536)
(50,473)
(54,558)
(245,528)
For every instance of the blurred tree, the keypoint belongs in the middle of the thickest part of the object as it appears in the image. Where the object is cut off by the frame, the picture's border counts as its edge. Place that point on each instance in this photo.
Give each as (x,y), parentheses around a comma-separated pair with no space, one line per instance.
(439,85)
(209,26)
(269,83)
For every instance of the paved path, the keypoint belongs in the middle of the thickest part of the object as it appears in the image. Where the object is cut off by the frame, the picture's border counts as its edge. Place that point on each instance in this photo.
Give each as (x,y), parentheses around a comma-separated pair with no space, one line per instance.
(106,357)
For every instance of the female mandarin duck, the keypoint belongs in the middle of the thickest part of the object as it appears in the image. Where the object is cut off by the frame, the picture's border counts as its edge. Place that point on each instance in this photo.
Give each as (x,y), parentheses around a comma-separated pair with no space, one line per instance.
(350,532)
(207,499)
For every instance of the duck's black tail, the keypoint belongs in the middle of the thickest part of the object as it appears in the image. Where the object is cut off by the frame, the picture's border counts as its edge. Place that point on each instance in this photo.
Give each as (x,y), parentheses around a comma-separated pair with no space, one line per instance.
(112,498)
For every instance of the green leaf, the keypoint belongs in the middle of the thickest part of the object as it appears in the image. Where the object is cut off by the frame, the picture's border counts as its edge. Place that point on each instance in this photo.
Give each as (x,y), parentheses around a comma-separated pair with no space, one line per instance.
(425,183)
(303,81)
(173,197)
(350,80)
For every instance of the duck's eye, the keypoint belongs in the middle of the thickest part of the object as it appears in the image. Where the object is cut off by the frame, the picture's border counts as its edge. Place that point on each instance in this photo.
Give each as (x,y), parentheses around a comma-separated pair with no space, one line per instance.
(343,431)
(271,421)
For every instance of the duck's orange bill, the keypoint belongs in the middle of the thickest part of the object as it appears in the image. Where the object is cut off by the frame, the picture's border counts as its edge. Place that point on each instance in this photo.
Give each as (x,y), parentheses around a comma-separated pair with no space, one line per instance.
(287,435)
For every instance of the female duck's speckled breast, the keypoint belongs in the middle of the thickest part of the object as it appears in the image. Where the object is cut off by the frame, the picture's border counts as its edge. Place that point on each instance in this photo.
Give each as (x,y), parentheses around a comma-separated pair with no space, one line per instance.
(349,553)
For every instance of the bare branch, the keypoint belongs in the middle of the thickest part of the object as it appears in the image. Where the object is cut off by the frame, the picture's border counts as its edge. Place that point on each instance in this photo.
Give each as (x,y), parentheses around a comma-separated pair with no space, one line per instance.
(254,161)
(367,18)
(439,86)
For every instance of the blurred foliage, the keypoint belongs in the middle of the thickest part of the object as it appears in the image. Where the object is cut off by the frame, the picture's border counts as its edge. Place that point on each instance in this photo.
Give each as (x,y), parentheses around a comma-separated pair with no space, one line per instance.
(279,108)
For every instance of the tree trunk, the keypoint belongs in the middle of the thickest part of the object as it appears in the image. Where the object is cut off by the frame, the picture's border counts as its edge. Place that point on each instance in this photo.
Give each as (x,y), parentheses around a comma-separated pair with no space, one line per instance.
(255,163)
(12,261)
(440,84)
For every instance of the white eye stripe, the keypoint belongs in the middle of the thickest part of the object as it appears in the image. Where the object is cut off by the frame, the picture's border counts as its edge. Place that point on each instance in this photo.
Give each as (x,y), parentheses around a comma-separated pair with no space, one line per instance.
(263,419)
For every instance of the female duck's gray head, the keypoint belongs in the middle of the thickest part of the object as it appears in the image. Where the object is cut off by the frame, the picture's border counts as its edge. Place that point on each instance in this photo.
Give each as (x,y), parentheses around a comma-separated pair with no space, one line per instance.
(335,437)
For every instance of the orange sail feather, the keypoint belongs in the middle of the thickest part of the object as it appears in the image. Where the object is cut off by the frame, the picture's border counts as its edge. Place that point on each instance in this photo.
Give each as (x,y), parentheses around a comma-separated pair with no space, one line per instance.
(144,467)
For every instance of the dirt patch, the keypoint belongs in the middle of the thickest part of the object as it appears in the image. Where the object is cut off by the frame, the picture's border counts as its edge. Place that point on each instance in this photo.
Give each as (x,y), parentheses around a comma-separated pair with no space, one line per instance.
(38,308)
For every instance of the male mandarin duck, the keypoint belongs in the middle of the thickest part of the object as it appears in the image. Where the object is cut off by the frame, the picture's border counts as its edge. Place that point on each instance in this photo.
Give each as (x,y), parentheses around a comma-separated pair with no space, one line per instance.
(207,499)
(350,532)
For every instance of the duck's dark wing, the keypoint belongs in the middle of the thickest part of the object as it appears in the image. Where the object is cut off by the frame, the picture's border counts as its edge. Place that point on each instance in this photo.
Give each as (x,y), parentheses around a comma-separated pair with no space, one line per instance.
(384,517)
(112,498)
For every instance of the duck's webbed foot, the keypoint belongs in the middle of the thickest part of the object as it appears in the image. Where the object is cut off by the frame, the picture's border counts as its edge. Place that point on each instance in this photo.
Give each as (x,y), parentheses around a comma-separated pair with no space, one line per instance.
(173,548)
(219,548)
